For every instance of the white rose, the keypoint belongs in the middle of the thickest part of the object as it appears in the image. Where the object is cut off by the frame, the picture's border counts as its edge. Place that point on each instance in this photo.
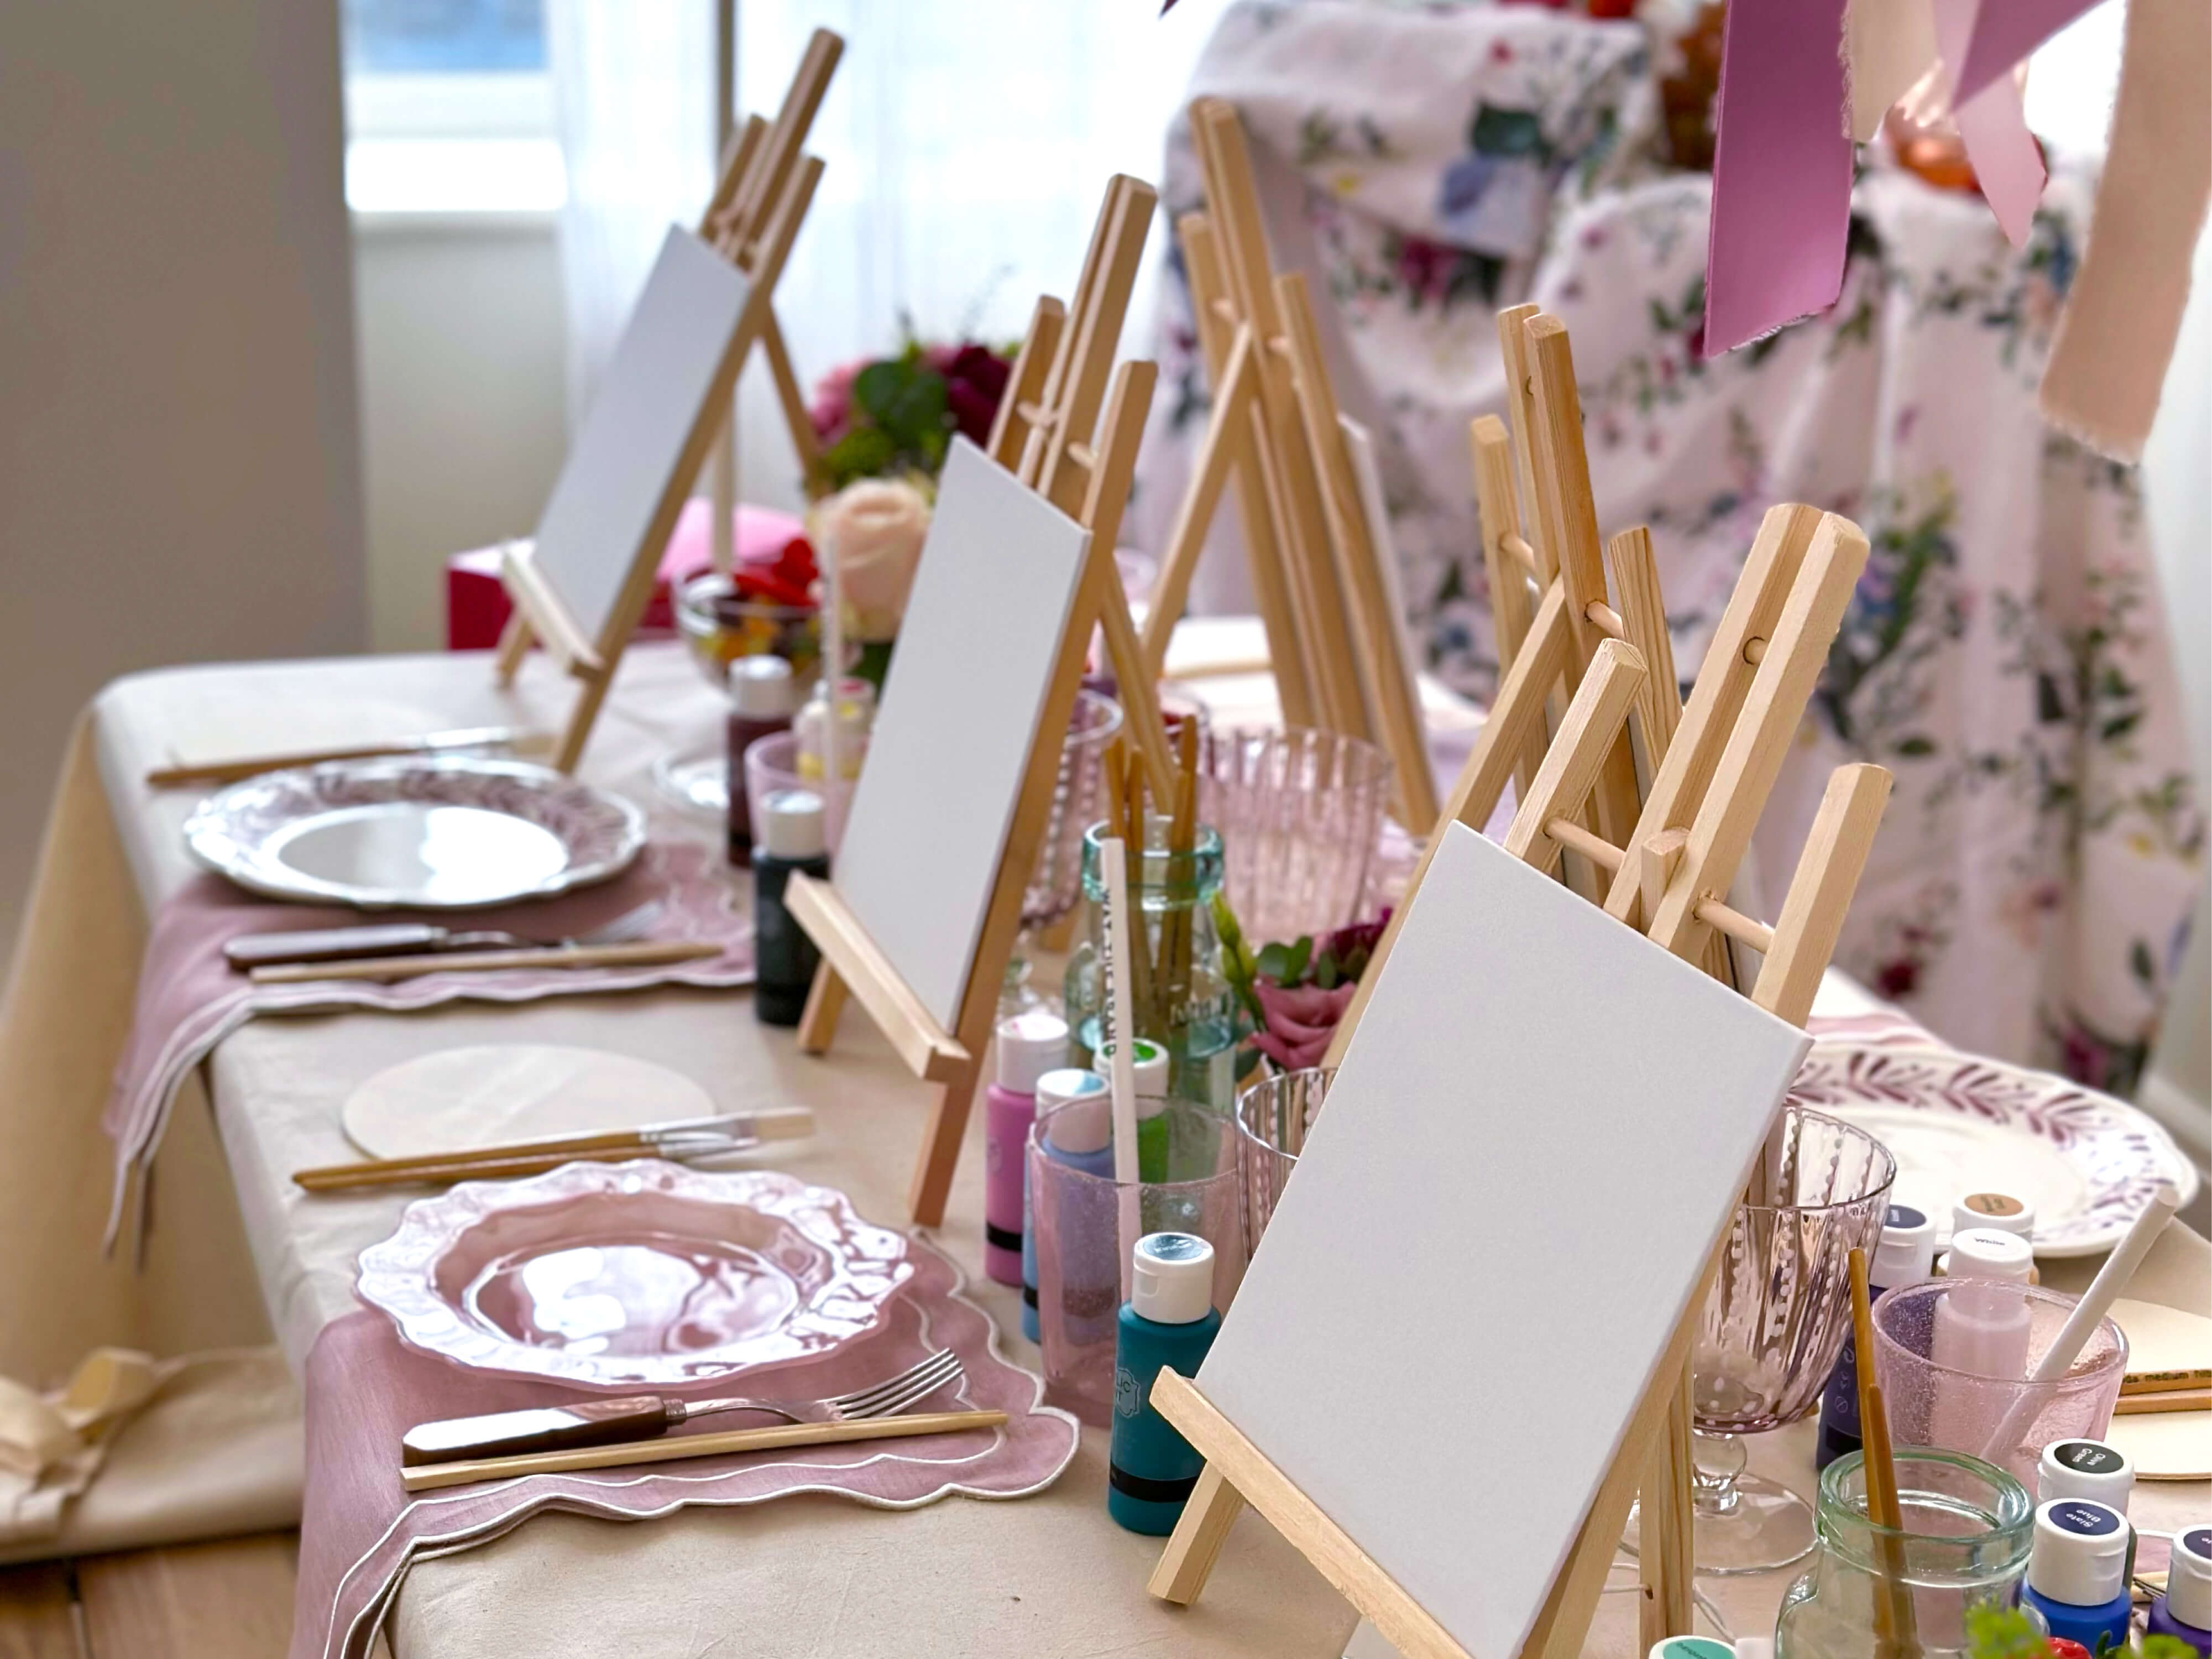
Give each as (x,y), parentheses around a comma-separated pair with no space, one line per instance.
(871,531)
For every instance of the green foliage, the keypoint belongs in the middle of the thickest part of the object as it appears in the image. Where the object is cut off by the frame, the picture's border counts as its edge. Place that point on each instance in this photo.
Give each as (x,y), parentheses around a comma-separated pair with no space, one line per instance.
(901,423)
(2002,1632)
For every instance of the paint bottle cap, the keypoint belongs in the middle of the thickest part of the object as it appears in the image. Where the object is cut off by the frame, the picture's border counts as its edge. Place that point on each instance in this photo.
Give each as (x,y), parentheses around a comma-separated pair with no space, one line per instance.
(1031,1044)
(792,825)
(1907,1251)
(762,688)
(2085,1468)
(2189,1578)
(2002,1211)
(1065,1082)
(1148,1064)
(1985,1252)
(1171,1278)
(2080,1555)
(1695,1647)
(1080,1123)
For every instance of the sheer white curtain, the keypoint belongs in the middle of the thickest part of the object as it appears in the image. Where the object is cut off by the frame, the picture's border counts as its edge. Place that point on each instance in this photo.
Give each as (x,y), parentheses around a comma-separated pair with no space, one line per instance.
(634,95)
(968,144)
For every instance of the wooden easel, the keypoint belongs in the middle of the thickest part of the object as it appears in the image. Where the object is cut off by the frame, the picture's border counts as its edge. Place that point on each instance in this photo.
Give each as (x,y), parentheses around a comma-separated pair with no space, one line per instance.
(759,204)
(1668,878)
(755,172)
(1539,590)
(1333,638)
(1081,460)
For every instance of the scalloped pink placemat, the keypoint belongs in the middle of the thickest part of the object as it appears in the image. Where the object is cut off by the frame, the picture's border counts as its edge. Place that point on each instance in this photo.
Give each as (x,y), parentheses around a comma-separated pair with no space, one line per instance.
(359,1531)
(190,998)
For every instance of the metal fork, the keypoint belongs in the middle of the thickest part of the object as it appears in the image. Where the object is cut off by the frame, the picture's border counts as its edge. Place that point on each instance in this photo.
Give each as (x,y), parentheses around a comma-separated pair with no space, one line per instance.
(637,1417)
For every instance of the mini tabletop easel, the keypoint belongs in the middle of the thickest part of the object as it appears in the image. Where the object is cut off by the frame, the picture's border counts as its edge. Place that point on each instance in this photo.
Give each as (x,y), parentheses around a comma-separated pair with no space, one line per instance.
(1051,434)
(1333,637)
(1550,610)
(759,204)
(1668,877)
(755,172)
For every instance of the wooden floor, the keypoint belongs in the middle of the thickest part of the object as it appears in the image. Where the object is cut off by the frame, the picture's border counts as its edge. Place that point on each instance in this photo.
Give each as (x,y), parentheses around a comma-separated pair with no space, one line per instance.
(227,1600)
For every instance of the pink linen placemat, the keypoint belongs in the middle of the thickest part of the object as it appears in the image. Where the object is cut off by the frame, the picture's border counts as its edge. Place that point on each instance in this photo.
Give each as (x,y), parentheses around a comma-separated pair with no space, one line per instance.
(359,1531)
(190,998)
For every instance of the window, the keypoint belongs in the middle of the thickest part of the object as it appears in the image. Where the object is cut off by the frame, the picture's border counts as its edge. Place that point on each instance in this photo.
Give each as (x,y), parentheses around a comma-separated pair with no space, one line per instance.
(449,108)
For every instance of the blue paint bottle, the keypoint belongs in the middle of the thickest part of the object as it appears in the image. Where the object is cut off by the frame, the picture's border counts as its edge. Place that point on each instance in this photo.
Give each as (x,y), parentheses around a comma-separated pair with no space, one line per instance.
(1905,1255)
(1167,1324)
(2077,1571)
(1081,1139)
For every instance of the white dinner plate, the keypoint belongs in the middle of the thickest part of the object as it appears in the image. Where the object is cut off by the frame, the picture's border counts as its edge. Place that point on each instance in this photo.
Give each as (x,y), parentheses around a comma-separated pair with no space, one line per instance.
(448,832)
(1958,1124)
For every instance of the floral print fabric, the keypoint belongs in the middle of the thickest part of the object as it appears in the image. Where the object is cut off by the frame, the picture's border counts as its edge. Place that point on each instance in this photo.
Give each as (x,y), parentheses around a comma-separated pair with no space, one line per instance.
(2007,655)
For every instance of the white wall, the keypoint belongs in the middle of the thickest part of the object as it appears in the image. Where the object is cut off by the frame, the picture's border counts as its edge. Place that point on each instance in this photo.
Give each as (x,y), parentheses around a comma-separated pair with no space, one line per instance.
(178,459)
(462,399)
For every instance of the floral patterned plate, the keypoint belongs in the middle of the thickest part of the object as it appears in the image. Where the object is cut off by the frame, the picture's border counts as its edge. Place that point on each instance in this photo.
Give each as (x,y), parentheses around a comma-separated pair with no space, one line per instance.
(449,832)
(613,1274)
(1958,1124)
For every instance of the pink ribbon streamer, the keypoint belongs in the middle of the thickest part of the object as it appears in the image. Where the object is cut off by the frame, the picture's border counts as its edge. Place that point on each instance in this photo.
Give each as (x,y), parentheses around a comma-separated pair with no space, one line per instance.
(1992,125)
(1781,170)
(2004,33)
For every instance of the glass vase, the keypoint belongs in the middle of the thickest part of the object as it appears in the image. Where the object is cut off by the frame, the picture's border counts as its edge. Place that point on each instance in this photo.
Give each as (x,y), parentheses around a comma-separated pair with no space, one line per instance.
(1180,998)
(1964,1546)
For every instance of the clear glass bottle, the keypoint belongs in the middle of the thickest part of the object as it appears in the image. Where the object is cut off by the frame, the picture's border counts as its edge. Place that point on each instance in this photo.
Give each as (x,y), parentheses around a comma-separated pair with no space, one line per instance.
(1963,1545)
(1180,996)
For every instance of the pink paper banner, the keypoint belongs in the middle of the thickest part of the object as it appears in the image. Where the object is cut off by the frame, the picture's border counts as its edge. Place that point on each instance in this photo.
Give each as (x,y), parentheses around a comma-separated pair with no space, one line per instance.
(2004,33)
(1781,170)
(1993,126)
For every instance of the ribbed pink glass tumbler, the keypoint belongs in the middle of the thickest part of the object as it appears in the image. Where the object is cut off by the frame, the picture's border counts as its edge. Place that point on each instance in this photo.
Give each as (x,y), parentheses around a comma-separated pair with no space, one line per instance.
(1298,812)
(1773,1325)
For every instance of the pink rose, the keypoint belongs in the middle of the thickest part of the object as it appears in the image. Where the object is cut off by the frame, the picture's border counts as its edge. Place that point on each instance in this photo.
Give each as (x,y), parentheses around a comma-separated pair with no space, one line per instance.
(1300,1022)
(871,531)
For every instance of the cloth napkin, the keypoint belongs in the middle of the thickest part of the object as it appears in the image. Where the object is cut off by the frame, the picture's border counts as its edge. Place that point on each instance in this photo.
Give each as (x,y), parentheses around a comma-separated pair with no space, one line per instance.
(359,1531)
(190,998)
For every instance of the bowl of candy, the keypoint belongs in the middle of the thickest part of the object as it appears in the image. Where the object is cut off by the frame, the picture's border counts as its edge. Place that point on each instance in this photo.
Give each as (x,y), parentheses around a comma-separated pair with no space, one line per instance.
(763,607)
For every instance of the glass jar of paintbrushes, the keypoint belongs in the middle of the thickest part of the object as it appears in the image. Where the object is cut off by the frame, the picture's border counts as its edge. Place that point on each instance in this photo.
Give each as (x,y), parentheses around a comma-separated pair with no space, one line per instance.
(1179,996)
(1872,1589)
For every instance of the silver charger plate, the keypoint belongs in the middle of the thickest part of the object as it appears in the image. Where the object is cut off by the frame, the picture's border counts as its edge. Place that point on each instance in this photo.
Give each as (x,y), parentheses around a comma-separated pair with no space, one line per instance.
(447,832)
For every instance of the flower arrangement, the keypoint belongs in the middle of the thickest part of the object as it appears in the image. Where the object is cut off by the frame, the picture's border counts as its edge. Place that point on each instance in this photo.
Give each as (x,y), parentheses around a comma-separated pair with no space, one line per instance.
(885,425)
(886,417)
(1294,993)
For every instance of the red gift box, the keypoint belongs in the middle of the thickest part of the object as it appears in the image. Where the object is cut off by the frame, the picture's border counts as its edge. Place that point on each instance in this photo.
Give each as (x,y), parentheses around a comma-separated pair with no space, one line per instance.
(477,604)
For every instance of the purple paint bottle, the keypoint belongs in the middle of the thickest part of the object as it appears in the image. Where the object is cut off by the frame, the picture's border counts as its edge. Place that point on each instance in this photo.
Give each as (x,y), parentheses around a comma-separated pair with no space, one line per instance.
(2184,1612)
(1030,1044)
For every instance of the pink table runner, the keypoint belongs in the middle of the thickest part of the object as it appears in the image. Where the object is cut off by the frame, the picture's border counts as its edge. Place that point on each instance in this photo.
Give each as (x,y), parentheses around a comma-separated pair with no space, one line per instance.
(358,1532)
(190,998)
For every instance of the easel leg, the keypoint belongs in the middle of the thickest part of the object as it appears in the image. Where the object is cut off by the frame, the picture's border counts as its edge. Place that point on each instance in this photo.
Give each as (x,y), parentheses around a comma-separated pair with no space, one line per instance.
(1216,456)
(1196,1541)
(580,718)
(796,418)
(941,1146)
(513,646)
(1666,1528)
(817,1021)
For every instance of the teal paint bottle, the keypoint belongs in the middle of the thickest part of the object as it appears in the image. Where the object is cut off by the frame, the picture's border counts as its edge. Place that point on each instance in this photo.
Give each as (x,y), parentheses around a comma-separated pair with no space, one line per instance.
(1167,1324)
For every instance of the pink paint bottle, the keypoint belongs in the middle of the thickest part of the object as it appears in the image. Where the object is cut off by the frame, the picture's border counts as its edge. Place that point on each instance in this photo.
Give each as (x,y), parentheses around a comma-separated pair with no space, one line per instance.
(1030,1043)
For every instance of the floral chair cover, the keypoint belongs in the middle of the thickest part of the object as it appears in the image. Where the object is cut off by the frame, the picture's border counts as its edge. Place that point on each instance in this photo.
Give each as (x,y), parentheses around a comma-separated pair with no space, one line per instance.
(2007,654)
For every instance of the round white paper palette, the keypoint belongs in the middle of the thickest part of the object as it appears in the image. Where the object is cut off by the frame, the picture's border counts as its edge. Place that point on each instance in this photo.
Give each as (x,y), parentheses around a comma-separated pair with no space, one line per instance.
(458,1099)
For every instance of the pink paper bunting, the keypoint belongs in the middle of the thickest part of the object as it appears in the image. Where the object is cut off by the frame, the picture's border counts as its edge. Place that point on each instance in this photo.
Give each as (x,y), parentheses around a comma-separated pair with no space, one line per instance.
(2004,33)
(1994,128)
(1781,170)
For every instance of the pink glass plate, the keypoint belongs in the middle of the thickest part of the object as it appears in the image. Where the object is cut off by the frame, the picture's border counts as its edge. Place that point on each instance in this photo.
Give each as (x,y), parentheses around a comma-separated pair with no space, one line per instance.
(613,1274)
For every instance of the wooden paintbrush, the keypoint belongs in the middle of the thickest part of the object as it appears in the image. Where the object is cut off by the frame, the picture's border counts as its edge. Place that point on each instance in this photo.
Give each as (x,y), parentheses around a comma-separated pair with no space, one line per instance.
(1895,1633)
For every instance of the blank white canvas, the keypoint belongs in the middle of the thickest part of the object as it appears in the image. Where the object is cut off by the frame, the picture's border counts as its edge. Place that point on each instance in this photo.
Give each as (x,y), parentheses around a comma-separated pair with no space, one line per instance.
(1540,1128)
(991,597)
(623,462)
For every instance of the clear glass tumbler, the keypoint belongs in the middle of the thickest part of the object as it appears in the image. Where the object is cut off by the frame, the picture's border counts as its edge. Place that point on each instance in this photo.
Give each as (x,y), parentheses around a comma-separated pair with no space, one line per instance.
(1180,998)
(1080,1219)
(1272,1117)
(1298,812)
(1963,1545)
(2005,1419)
(1773,1325)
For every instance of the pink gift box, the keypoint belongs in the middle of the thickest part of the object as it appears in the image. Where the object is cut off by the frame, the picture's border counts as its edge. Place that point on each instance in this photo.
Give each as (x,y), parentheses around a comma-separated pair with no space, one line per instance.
(477,605)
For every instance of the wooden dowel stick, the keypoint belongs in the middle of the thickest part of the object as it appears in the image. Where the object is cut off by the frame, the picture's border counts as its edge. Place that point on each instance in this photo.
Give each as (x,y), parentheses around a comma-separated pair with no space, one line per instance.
(429,1477)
